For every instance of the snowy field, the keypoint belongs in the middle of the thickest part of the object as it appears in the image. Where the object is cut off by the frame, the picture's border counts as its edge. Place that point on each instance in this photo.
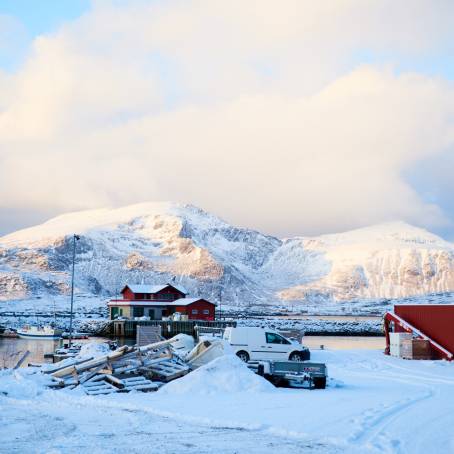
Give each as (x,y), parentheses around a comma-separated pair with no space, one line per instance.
(373,404)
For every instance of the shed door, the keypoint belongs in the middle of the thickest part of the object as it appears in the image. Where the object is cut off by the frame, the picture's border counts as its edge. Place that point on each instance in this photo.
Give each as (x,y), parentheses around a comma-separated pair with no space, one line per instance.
(151,314)
(137,311)
(113,312)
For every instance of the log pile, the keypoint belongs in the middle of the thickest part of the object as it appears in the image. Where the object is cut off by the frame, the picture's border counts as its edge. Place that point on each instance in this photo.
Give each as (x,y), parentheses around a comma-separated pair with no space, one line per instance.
(123,370)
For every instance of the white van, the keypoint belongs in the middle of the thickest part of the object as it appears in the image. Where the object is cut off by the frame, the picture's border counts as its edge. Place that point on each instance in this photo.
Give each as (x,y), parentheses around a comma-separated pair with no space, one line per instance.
(254,344)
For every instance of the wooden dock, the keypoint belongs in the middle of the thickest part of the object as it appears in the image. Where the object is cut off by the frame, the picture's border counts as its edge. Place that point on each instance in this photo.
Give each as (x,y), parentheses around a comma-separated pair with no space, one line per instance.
(128,328)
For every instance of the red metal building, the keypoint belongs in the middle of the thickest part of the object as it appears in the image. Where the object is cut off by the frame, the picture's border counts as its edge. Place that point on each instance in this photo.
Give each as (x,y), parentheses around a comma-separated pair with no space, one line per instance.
(158,301)
(434,322)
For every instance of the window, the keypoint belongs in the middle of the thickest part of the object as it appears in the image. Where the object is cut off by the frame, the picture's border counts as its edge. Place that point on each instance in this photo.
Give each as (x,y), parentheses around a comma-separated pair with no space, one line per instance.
(206,312)
(272,338)
(194,312)
(137,311)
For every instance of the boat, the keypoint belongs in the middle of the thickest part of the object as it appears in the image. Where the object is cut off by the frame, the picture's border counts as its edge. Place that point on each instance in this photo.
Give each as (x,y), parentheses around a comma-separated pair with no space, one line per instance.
(204,352)
(9,332)
(39,332)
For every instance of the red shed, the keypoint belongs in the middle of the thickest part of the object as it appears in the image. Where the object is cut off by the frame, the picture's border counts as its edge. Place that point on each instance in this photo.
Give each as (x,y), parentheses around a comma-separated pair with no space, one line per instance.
(194,308)
(432,321)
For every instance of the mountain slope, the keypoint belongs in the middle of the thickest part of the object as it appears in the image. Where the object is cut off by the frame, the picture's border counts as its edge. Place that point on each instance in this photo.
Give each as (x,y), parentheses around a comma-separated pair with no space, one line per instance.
(152,242)
(392,260)
(156,242)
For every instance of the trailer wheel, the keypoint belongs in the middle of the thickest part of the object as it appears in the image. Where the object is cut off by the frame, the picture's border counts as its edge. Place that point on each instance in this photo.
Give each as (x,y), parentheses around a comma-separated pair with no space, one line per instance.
(319,382)
(244,356)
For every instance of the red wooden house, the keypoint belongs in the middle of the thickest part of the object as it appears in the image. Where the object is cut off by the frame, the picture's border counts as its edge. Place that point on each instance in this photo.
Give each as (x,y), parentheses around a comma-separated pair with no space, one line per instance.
(158,301)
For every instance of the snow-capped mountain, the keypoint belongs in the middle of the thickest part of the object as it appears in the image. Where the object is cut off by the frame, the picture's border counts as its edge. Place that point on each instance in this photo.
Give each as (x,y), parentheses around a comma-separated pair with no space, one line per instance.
(158,242)
(393,260)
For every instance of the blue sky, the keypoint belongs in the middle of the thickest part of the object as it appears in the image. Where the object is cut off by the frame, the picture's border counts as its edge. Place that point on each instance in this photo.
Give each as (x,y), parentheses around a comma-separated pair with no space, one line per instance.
(232,86)
(44,15)
(34,18)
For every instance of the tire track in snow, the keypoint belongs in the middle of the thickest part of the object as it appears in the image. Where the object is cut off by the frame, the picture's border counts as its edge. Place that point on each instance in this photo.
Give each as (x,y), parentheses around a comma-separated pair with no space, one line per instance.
(375,421)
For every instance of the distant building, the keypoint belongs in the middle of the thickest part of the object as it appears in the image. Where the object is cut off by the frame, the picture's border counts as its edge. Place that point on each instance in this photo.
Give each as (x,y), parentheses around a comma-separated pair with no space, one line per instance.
(158,301)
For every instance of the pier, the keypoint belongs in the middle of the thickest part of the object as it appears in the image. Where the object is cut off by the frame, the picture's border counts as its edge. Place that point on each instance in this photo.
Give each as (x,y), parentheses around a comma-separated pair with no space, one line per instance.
(128,328)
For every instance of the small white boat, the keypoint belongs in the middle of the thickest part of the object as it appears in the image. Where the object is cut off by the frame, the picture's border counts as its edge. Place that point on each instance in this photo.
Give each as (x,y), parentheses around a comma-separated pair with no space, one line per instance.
(39,332)
(204,352)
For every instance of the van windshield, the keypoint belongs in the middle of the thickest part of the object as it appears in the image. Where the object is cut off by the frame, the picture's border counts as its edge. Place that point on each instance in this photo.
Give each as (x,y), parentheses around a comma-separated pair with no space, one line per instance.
(273,338)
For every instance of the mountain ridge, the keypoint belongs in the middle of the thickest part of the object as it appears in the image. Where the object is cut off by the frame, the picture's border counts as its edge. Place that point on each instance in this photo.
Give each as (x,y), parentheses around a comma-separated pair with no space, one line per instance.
(157,241)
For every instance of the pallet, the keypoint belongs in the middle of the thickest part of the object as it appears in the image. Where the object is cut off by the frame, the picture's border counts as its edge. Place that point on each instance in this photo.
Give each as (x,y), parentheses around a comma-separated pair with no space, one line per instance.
(168,370)
(95,388)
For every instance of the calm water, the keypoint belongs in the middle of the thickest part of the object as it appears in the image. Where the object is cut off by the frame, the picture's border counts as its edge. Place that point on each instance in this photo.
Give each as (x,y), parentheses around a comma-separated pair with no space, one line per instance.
(11,349)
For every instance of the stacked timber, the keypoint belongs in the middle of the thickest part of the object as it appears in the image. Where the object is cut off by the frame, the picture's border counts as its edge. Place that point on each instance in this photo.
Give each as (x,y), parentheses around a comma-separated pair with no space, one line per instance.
(123,370)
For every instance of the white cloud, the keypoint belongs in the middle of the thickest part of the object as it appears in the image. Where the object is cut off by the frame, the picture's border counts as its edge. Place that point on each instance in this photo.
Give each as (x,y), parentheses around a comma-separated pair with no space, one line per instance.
(249,109)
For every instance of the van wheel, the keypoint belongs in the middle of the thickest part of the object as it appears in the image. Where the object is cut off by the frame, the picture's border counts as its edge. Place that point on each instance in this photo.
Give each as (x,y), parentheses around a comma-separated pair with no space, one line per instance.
(296,356)
(244,356)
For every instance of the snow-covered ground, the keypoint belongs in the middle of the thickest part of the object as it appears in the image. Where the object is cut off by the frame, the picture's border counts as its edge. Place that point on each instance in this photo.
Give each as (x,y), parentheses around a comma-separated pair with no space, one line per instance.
(373,404)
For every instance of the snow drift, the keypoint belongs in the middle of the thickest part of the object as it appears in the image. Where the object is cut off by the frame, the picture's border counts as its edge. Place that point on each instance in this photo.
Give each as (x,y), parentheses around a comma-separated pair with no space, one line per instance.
(226,374)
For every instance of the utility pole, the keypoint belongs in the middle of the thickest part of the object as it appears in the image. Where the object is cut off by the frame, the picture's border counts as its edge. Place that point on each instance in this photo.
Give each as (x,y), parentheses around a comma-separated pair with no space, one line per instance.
(75,237)
(220,303)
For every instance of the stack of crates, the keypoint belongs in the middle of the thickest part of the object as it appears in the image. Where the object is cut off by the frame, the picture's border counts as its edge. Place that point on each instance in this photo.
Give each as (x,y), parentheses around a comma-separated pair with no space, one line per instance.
(396,343)
(416,349)
(402,345)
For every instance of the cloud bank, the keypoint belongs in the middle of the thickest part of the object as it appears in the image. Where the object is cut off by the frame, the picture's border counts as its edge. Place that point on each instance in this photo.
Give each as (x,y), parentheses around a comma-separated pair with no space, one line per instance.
(263,112)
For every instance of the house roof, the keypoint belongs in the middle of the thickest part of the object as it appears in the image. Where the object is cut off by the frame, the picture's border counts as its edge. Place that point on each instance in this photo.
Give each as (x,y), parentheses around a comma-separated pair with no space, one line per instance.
(187,301)
(146,288)
(178,302)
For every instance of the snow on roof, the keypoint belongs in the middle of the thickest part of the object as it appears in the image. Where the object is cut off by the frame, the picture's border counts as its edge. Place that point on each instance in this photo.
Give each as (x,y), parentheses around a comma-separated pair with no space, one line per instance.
(146,288)
(178,302)
(187,301)
(180,288)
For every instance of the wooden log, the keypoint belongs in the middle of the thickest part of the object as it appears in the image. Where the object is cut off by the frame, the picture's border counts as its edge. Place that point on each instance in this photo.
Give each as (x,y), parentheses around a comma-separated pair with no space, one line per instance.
(96,378)
(89,364)
(104,360)
(21,360)
(122,370)
(88,375)
(115,381)
(72,363)
(148,347)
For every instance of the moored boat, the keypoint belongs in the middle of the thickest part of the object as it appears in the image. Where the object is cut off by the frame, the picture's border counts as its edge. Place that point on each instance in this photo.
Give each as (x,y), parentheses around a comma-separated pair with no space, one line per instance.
(9,332)
(39,332)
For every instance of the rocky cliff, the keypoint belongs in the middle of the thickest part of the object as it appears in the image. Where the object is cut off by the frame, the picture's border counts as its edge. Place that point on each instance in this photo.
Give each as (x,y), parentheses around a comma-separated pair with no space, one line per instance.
(158,242)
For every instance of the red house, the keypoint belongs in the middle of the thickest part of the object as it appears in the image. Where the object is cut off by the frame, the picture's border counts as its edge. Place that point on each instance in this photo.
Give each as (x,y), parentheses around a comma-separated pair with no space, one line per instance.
(158,301)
